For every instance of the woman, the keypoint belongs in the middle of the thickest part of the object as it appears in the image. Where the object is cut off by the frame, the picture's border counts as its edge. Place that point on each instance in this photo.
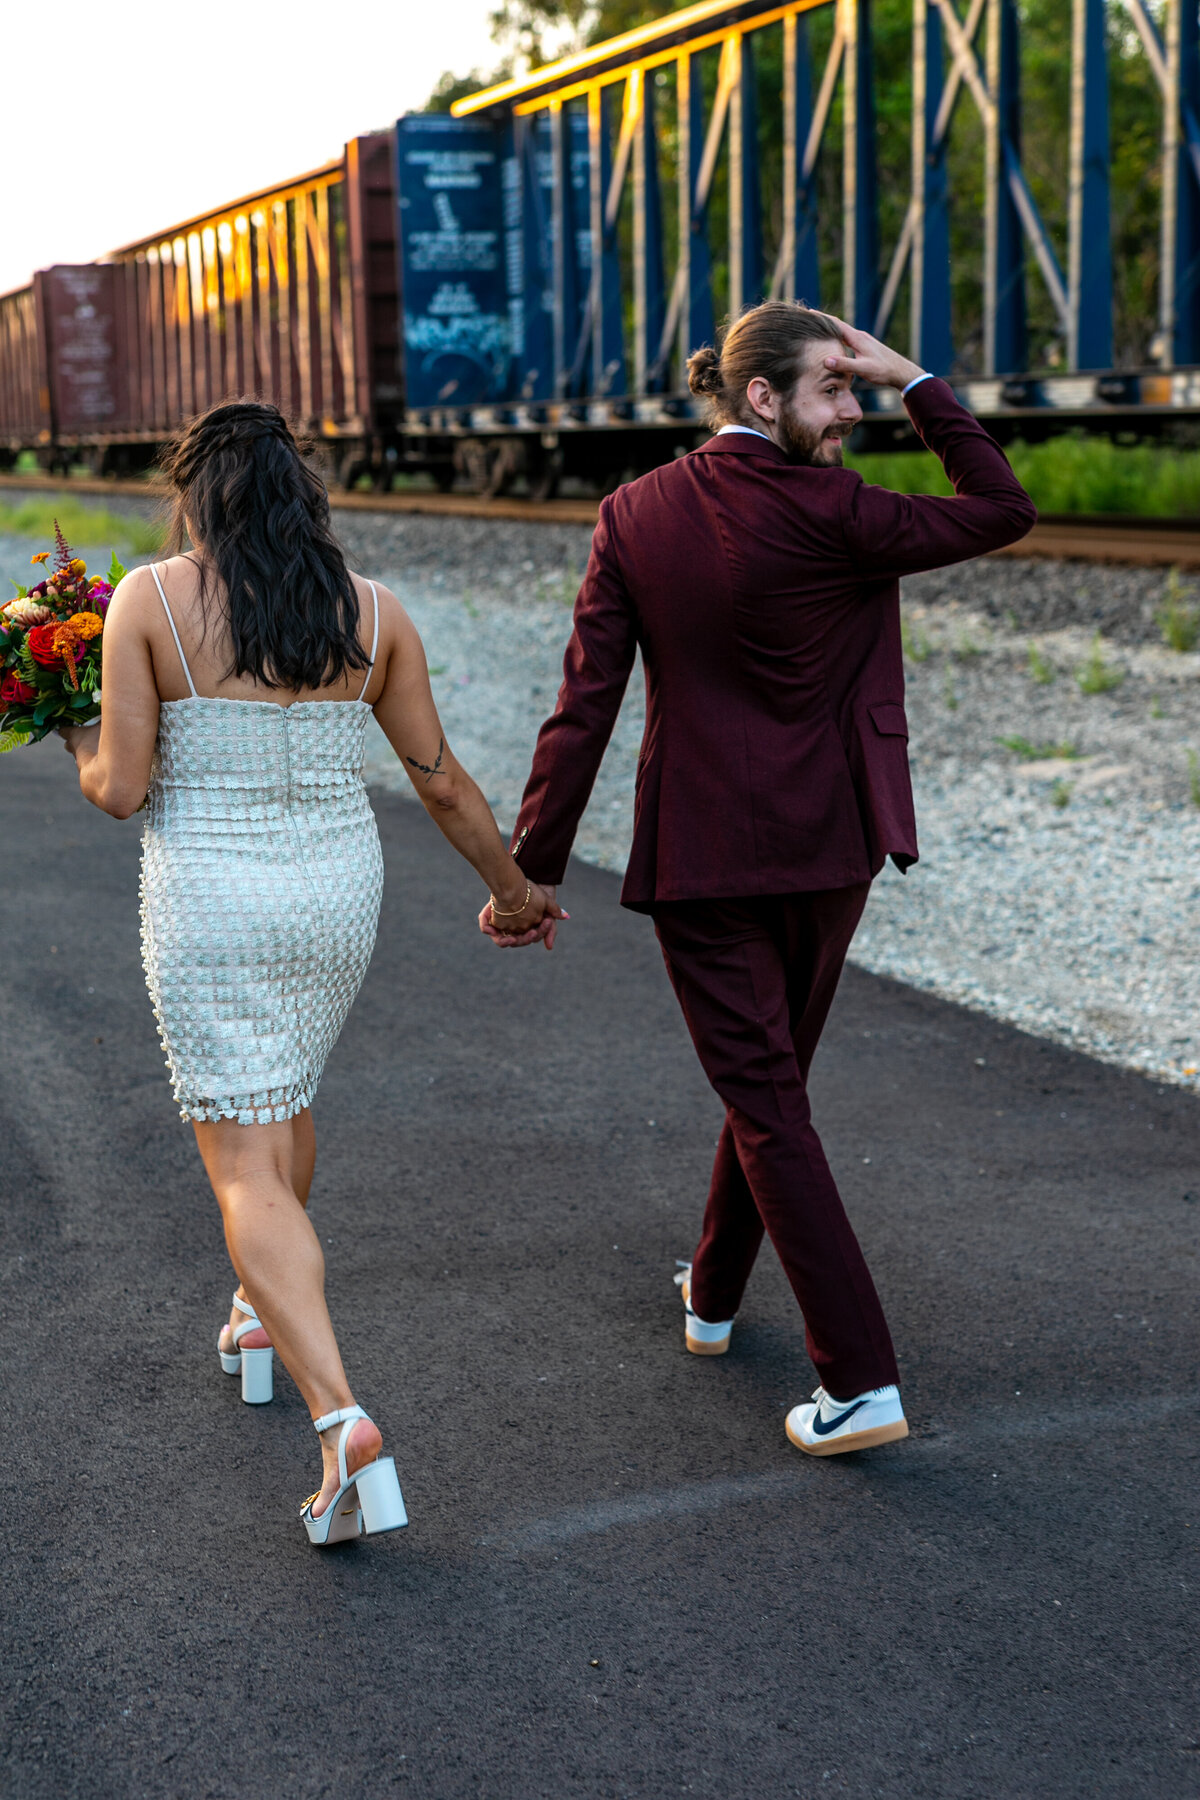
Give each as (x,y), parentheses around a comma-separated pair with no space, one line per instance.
(237,684)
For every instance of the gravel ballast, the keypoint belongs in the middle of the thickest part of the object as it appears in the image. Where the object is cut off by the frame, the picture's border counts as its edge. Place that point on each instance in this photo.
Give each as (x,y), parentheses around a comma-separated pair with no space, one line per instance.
(1059,890)
(1059,881)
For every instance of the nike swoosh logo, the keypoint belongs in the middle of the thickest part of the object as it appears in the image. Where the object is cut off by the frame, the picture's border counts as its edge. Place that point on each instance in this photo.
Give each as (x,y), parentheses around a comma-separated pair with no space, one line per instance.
(823,1430)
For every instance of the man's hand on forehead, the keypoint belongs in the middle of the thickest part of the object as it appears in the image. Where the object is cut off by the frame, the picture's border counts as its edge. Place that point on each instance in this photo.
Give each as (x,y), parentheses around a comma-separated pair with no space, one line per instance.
(866,358)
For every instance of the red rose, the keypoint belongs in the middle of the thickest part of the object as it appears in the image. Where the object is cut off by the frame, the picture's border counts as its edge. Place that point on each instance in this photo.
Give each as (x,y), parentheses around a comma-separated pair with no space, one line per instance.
(15,692)
(46,645)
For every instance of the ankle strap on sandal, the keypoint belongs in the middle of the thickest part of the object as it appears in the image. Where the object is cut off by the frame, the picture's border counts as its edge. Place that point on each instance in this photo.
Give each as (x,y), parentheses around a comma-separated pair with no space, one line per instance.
(251,1322)
(347,1417)
(341,1417)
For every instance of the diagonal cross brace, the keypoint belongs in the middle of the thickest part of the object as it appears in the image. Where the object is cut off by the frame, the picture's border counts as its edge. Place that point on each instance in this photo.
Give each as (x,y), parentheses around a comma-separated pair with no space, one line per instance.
(941,129)
(1031,219)
(812,150)
(726,80)
(1156,55)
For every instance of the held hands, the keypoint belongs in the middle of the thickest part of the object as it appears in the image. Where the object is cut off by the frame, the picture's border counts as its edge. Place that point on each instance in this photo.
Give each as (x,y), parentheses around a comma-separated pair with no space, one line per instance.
(871,361)
(536,922)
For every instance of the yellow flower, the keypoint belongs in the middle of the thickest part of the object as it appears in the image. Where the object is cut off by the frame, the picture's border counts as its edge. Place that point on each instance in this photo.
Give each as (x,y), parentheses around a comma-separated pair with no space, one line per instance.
(77,566)
(42,556)
(87,624)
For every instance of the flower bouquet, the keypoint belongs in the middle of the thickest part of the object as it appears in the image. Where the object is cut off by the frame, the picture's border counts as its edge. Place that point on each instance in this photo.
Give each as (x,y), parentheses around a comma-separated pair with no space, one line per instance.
(51,639)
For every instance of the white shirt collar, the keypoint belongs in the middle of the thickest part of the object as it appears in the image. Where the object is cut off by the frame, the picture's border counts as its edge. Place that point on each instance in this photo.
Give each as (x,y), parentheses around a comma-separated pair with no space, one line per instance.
(750,428)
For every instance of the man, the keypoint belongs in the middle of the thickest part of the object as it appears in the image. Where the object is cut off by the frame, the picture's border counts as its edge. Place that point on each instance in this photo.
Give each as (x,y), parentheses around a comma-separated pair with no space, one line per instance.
(760,580)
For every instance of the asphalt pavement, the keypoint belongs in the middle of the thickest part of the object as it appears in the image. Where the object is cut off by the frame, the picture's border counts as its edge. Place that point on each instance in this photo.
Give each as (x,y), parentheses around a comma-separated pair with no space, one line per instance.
(620,1580)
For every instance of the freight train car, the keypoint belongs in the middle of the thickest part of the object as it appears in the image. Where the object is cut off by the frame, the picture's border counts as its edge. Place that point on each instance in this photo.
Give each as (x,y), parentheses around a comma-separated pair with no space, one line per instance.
(510,291)
(289,293)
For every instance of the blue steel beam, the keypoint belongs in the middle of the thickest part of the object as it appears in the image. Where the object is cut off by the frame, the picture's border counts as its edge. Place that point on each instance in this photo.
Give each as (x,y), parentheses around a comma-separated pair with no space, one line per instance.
(562,249)
(1184,68)
(805,243)
(745,221)
(799,271)
(860,209)
(689,319)
(1090,313)
(536,360)
(603,323)
(648,299)
(697,313)
(931,342)
(1006,333)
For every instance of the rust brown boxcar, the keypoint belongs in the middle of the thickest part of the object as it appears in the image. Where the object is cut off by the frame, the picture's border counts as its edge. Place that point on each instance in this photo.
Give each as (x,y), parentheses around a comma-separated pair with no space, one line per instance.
(289,293)
(25,421)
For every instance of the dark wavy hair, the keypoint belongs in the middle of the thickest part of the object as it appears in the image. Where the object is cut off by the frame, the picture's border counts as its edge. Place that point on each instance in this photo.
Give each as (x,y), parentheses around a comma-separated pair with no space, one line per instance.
(261,517)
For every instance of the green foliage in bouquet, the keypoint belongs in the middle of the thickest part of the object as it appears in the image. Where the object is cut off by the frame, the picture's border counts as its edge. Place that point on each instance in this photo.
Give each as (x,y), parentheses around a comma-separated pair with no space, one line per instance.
(51,648)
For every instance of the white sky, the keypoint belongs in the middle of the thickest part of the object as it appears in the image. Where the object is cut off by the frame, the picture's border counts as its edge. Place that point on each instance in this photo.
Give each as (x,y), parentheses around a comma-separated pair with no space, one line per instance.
(129,115)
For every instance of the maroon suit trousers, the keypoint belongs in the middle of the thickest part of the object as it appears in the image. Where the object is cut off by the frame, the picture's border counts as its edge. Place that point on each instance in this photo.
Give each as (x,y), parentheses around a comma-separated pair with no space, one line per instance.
(756,978)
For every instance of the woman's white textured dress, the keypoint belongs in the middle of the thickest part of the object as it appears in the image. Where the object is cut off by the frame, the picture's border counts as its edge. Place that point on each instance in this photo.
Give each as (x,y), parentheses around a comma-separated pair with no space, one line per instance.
(261,882)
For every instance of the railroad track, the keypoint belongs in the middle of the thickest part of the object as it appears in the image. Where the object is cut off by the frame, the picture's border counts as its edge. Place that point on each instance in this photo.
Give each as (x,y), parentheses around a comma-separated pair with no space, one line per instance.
(1109,538)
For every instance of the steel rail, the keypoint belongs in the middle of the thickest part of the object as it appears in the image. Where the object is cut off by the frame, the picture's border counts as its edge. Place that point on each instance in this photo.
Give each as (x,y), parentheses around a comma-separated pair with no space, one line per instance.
(1082,537)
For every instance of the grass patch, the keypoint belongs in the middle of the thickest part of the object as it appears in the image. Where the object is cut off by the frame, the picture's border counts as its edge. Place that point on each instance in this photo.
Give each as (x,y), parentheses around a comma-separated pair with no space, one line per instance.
(1060,793)
(1097,676)
(915,644)
(80,525)
(1029,752)
(1041,669)
(1073,473)
(1194,777)
(1178,618)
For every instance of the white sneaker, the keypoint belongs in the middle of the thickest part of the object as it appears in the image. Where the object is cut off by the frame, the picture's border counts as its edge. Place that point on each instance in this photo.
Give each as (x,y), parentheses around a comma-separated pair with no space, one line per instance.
(701,1338)
(832,1426)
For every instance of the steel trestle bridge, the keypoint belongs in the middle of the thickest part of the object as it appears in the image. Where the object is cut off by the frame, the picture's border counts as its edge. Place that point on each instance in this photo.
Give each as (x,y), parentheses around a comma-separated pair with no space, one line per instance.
(597,343)
(511,290)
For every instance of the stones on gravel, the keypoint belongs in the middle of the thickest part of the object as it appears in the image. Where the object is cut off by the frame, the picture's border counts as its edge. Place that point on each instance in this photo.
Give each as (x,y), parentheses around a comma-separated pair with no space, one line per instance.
(1059,882)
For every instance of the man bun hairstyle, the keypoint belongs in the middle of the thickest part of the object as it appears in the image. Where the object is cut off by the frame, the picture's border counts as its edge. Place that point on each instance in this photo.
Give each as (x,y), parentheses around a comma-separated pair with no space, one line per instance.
(704,370)
(770,340)
(260,516)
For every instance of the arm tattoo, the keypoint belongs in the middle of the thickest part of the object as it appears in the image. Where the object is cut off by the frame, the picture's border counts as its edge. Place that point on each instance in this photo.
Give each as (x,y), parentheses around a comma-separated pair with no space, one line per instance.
(427,771)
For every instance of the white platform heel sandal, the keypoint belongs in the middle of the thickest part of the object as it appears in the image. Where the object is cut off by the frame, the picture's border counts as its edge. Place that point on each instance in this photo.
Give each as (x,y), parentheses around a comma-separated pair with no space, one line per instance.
(367,1501)
(256,1367)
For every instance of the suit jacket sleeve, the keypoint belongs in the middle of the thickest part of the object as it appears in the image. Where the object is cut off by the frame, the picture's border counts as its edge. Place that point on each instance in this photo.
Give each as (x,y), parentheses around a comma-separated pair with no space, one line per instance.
(572,742)
(898,534)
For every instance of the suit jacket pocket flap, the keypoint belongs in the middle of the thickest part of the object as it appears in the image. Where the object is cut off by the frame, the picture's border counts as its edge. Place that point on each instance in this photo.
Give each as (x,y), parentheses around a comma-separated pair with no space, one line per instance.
(889,721)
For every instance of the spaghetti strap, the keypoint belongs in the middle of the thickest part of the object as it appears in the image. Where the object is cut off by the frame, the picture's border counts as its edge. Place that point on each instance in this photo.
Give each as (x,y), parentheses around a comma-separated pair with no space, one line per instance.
(171,622)
(374,641)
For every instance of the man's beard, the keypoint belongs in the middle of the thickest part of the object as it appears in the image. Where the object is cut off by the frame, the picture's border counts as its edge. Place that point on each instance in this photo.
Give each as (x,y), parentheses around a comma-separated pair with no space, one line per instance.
(812,449)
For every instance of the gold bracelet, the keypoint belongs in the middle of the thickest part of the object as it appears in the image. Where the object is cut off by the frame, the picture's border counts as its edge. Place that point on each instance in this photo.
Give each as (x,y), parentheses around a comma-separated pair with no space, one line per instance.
(497,913)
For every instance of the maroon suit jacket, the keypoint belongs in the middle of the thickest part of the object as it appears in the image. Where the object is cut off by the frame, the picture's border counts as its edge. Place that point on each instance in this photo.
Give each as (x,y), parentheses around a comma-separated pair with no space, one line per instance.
(765,599)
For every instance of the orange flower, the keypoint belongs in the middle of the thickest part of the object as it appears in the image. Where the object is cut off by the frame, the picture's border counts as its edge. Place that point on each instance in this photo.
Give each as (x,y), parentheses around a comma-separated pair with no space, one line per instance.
(50,644)
(87,624)
(42,556)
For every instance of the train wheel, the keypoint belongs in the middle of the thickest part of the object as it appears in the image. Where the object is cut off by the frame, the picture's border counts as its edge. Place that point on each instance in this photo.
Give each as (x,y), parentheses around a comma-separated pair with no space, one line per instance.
(506,460)
(352,467)
(545,475)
